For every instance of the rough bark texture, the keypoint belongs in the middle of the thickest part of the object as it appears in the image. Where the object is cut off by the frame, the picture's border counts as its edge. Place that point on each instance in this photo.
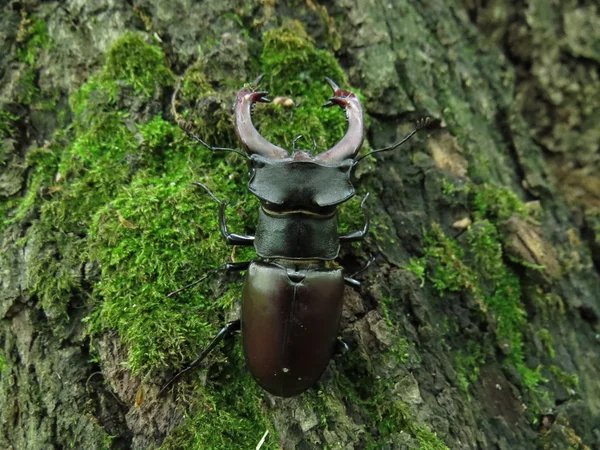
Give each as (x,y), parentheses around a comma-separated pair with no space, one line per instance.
(476,328)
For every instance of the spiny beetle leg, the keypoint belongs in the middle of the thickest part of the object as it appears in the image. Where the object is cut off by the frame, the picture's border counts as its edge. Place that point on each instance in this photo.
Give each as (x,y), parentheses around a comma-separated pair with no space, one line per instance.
(230,238)
(360,234)
(225,332)
(227,267)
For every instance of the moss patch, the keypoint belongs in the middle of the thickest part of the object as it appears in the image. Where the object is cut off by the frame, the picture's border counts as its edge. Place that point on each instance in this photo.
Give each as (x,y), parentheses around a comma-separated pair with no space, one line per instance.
(481,269)
(138,64)
(227,415)
(386,417)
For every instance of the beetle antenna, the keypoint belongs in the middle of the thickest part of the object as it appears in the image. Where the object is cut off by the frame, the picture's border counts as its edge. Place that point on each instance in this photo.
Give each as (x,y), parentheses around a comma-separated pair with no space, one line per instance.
(419,125)
(186,128)
(208,191)
(294,141)
(174,293)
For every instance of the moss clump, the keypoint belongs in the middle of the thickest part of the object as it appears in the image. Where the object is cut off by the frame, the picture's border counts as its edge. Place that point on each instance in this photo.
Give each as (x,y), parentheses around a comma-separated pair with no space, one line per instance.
(496,203)
(570,381)
(34,37)
(468,363)
(2,363)
(226,415)
(33,40)
(483,272)
(195,83)
(547,340)
(138,64)
(384,414)
(7,129)
(485,201)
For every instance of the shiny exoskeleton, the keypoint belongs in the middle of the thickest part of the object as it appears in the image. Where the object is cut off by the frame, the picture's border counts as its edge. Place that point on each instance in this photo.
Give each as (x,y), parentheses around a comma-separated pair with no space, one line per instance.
(292,295)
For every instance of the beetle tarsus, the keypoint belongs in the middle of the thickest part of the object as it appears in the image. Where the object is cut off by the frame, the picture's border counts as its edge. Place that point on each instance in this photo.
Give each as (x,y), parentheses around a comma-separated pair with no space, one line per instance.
(341,348)
(351,280)
(226,331)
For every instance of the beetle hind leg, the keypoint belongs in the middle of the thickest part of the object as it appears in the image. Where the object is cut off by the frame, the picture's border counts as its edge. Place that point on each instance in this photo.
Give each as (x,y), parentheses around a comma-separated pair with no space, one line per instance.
(225,332)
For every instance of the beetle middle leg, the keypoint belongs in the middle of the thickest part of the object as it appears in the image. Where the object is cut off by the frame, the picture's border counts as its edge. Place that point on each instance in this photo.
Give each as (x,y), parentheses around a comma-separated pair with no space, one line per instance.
(227,267)
(351,281)
(360,234)
(226,331)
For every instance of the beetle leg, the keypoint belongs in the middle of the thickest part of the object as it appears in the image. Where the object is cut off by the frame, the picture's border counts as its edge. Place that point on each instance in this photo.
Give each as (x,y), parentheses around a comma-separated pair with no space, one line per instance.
(225,332)
(230,238)
(360,234)
(228,267)
(351,281)
(341,348)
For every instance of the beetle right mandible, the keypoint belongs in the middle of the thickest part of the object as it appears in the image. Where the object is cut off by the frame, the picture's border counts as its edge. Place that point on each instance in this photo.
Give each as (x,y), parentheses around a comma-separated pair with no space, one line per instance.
(292,295)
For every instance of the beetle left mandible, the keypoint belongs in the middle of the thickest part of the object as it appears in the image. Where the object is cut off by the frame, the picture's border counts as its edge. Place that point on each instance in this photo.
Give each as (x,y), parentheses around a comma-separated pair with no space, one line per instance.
(292,297)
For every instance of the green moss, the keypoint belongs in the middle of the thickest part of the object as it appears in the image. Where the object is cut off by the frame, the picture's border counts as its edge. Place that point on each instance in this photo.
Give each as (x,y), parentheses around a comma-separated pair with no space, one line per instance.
(226,414)
(2,363)
(448,269)
(418,266)
(468,363)
(7,128)
(34,40)
(295,68)
(570,381)
(483,272)
(496,203)
(547,340)
(195,84)
(140,65)
(384,415)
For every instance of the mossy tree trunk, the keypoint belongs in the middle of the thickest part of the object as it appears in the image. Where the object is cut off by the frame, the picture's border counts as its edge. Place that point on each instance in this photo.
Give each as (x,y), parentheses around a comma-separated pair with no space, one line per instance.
(477,326)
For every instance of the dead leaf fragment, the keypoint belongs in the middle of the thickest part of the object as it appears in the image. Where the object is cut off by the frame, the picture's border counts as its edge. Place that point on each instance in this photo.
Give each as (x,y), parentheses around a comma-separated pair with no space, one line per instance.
(126,223)
(526,241)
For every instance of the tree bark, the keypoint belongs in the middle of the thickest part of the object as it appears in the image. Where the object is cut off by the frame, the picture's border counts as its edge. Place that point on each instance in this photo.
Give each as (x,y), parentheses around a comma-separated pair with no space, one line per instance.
(476,327)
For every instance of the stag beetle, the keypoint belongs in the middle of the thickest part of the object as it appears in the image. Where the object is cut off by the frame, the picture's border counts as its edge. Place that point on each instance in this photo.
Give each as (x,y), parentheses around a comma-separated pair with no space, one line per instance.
(292,294)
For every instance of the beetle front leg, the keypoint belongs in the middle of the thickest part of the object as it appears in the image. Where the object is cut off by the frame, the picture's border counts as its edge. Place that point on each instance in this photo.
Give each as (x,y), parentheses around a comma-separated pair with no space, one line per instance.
(230,238)
(360,234)
(225,332)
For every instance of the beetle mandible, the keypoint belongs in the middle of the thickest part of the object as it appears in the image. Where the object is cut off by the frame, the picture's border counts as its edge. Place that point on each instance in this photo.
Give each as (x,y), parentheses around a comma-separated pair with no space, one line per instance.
(292,295)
